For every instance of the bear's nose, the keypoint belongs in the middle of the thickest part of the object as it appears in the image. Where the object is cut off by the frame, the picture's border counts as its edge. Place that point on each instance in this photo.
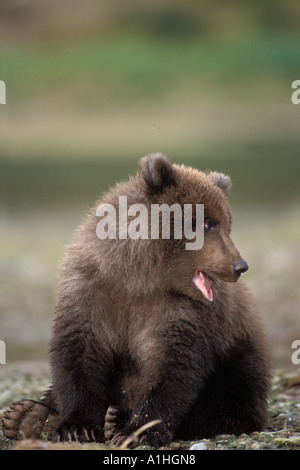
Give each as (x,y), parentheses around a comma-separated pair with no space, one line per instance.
(239,268)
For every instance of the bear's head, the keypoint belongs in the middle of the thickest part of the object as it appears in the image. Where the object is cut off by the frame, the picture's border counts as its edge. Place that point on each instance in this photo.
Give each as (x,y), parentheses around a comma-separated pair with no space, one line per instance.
(193,272)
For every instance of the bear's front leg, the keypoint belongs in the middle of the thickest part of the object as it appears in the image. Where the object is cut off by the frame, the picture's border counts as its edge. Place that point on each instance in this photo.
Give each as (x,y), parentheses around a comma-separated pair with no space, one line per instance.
(182,371)
(168,402)
(81,409)
(80,364)
(81,387)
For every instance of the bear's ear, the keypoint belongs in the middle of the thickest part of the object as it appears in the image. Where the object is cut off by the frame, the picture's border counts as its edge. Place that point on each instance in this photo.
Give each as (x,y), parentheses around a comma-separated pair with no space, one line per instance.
(221,180)
(157,171)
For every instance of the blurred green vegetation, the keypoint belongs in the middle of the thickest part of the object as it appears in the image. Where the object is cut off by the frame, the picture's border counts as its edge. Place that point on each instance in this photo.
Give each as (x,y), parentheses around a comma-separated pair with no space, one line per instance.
(130,68)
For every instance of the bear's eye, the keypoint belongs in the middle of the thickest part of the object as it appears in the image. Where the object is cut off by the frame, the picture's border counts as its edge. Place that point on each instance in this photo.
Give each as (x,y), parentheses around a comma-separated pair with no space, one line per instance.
(210,225)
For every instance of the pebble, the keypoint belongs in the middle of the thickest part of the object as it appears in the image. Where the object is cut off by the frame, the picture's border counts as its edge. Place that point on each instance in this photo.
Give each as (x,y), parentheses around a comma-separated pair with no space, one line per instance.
(198,446)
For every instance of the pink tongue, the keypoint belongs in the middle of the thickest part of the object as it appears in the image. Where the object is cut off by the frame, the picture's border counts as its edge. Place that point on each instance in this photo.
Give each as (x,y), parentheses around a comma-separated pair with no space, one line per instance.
(203,283)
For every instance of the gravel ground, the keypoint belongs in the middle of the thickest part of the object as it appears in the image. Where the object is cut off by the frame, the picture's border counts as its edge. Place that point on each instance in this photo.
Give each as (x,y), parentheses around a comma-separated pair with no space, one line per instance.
(30,379)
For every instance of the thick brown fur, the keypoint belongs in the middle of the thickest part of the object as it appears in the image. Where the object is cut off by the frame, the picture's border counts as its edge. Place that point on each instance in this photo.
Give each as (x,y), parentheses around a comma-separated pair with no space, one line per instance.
(131,329)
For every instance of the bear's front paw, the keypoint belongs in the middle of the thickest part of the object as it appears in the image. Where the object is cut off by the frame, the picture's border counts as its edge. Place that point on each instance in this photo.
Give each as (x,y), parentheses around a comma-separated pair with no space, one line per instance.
(154,434)
(156,438)
(84,432)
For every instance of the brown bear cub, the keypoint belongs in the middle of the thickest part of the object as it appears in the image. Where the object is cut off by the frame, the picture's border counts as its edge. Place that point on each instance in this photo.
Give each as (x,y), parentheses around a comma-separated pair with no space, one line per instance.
(151,329)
